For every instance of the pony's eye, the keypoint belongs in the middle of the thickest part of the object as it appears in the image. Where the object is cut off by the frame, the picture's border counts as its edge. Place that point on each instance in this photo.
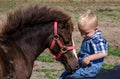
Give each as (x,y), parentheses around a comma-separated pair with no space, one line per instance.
(63,27)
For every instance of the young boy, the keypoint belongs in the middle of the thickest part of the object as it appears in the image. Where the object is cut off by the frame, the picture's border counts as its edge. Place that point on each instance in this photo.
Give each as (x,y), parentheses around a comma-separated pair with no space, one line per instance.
(93,49)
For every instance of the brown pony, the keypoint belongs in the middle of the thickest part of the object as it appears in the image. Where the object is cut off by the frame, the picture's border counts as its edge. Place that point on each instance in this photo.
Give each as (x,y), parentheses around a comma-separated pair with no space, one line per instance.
(25,35)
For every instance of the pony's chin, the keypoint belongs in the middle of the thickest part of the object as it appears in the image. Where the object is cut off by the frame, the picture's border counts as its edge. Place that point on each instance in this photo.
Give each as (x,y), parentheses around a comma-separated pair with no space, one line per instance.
(70,69)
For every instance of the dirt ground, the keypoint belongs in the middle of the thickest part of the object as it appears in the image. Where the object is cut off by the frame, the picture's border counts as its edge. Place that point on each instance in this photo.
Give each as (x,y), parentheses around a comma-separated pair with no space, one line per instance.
(109,22)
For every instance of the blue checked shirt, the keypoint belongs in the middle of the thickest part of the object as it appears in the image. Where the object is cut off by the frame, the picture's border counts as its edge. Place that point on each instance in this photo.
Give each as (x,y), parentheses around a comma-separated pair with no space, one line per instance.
(99,44)
(96,44)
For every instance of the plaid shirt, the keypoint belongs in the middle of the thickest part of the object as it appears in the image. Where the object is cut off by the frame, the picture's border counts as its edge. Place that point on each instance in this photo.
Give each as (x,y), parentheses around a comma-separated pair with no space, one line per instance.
(99,44)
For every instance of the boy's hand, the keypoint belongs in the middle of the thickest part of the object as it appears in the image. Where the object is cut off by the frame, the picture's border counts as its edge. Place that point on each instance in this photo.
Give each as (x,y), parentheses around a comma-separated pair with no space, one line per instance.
(85,61)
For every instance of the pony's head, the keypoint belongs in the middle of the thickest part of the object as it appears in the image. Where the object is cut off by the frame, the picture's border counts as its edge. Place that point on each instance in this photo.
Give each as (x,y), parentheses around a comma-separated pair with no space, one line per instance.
(62,45)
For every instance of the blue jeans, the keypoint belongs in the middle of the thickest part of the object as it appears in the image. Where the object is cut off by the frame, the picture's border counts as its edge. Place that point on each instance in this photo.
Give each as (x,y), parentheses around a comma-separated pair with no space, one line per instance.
(64,74)
(82,72)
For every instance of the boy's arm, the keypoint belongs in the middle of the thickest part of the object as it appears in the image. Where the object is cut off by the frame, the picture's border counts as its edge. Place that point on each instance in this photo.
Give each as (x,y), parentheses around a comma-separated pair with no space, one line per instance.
(97,56)
(100,50)
(100,47)
(92,57)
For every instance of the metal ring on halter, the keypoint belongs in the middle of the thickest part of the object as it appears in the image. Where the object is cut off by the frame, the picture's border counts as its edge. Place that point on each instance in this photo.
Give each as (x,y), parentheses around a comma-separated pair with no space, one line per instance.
(64,49)
(56,36)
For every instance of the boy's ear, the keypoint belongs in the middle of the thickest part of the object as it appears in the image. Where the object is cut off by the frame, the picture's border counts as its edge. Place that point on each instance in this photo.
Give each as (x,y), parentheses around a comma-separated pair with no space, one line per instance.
(96,28)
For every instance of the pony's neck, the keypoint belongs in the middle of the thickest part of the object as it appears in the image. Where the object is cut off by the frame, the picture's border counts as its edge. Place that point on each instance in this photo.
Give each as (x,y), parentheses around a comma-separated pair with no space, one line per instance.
(35,44)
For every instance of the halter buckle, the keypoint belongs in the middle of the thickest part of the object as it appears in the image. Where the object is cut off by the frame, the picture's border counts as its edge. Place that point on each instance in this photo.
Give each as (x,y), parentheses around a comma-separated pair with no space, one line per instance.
(56,36)
(64,49)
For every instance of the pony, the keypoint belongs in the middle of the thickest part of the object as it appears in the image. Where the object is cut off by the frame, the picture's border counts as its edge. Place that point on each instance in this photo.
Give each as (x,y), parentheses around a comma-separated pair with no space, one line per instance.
(27,32)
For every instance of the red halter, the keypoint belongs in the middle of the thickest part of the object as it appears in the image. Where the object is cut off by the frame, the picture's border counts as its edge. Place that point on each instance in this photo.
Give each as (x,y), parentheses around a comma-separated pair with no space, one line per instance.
(63,49)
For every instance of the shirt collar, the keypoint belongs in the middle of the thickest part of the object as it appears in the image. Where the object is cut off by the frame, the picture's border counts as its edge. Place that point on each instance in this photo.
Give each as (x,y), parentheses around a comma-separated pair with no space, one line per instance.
(97,34)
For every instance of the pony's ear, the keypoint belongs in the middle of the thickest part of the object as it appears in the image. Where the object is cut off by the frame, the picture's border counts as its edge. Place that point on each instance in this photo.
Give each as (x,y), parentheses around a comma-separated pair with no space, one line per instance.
(70,24)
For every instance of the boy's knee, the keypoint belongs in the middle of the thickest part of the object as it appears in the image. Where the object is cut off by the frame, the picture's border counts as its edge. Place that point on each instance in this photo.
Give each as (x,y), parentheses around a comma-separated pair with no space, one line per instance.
(63,75)
(72,77)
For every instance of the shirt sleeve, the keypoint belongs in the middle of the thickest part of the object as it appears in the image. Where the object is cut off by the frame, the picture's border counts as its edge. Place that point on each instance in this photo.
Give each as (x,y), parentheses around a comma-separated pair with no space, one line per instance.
(99,45)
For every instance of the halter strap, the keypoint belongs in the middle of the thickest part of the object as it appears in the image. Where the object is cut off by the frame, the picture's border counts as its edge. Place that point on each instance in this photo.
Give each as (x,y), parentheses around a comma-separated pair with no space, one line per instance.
(56,37)
(55,28)
(63,49)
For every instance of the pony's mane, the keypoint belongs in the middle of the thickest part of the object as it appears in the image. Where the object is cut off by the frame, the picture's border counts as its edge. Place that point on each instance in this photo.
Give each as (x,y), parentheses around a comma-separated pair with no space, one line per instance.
(31,16)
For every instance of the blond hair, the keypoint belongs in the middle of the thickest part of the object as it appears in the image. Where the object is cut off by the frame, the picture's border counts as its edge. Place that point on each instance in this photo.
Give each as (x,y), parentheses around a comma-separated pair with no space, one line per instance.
(88,18)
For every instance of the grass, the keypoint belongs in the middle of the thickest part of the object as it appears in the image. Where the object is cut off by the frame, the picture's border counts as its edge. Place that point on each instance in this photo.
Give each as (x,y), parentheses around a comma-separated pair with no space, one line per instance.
(47,70)
(115,52)
(74,7)
(107,66)
(45,58)
(50,73)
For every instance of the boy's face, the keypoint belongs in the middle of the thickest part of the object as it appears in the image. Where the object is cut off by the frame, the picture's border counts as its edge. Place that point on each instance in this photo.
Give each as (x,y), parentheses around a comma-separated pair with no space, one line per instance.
(87,31)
